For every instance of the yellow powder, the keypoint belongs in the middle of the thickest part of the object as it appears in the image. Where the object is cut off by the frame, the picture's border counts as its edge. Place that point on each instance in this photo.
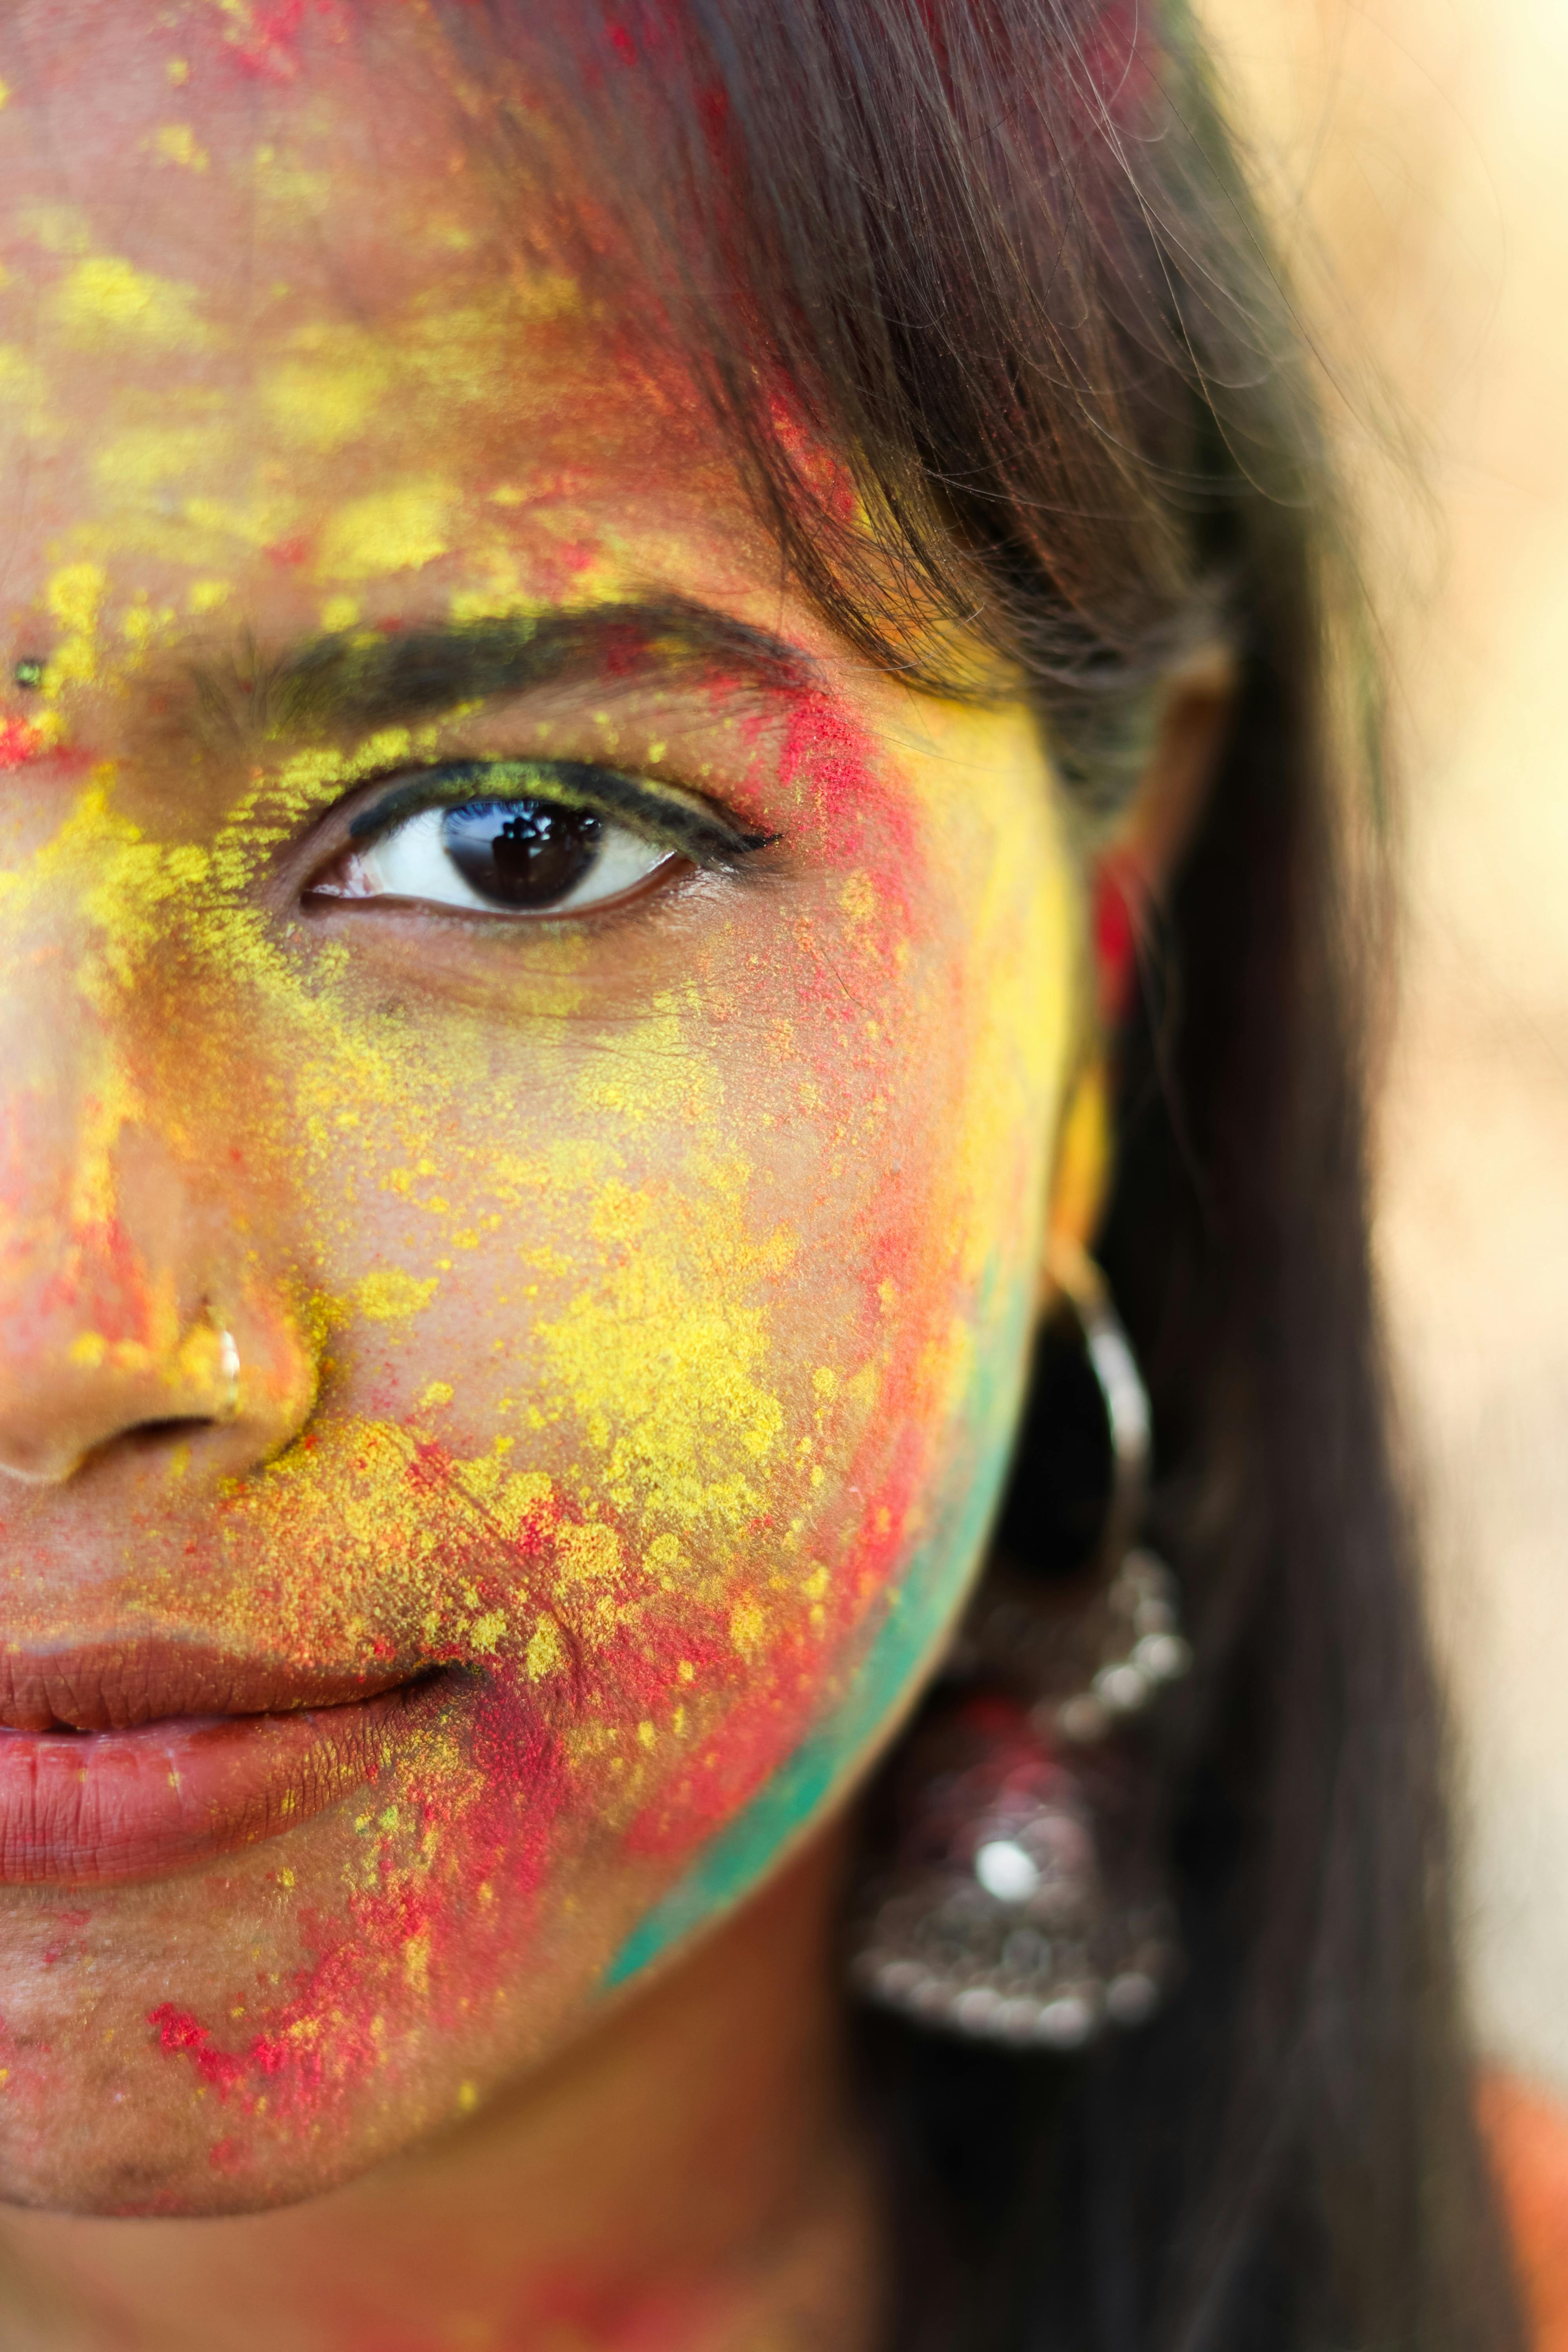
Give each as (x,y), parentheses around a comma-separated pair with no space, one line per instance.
(122,882)
(395,530)
(147,456)
(583,1552)
(106,298)
(659,1361)
(546,1652)
(857,898)
(663,1562)
(647,1070)
(26,396)
(177,143)
(390,1294)
(327,392)
(209,528)
(748,1626)
(74,594)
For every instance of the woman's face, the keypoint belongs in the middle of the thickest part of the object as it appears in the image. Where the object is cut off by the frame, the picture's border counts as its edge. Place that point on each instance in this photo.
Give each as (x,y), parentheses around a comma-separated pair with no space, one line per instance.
(513,1307)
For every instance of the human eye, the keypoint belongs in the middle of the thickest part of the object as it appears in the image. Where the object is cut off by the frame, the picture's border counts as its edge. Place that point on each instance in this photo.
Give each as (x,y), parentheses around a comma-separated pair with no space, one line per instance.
(525,838)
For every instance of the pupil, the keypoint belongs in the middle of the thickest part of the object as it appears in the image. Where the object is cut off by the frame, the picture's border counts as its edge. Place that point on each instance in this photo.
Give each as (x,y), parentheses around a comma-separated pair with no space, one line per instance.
(520,852)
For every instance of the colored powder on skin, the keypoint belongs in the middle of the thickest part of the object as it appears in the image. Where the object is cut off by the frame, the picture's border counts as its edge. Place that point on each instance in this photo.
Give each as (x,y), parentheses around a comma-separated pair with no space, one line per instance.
(325,393)
(696,1578)
(603,1631)
(20,741)
(918,1604)
(918,1613)
(658,1365)
(391,531)
(105,301)
(474,1851)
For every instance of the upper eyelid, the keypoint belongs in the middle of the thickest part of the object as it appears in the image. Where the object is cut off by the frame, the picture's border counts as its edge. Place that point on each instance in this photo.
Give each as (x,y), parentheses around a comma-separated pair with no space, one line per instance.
(699,834)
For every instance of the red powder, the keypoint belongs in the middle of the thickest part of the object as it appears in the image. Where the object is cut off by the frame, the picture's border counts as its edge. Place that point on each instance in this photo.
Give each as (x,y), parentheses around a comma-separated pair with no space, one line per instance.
(19,743)
(116,1302)
(1118,902)
(493,1823)
(179,2032)
(827,753)
(270,50)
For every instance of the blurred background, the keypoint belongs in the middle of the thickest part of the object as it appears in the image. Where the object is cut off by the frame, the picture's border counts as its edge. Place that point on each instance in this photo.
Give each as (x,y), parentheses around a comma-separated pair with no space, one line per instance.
(1414,153)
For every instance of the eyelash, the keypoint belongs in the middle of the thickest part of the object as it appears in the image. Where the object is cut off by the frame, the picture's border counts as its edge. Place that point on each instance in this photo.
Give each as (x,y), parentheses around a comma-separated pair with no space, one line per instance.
(684,828)
(698,832)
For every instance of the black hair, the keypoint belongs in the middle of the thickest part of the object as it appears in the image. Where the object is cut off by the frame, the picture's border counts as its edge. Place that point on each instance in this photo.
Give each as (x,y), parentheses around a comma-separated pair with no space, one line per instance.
(1001,254)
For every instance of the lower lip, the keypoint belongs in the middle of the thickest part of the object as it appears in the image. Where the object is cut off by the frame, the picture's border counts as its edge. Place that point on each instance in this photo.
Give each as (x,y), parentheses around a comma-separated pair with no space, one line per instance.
(97,1807)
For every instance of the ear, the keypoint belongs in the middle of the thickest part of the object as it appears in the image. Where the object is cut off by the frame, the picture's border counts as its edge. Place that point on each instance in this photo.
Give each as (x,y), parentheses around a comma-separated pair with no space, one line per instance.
(1130,874)
(1134,865)
(1081,1179)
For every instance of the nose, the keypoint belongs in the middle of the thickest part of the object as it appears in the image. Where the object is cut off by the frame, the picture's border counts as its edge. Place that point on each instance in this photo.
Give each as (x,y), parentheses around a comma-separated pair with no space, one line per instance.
(136,1319)
(83,1395)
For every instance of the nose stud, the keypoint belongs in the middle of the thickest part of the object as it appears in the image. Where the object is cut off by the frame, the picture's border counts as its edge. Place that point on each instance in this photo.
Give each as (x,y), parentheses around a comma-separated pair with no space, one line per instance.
(229,1372)
(106,1390)
(207,1367)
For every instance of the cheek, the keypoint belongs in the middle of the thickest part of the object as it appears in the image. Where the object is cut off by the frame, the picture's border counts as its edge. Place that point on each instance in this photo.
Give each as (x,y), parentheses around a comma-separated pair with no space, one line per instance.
(668,1363)
(698,1294)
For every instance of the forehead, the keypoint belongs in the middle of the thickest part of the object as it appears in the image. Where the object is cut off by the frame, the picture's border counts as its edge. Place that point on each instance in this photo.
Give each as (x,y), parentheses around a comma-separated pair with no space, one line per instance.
(229,143)
(268,309)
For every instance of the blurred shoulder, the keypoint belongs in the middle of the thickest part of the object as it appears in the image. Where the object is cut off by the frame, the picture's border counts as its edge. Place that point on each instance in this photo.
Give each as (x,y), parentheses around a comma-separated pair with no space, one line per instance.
(1527,2132)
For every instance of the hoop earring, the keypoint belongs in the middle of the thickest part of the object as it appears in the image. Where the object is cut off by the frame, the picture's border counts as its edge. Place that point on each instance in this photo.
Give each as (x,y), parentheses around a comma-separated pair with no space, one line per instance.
(1019,1894)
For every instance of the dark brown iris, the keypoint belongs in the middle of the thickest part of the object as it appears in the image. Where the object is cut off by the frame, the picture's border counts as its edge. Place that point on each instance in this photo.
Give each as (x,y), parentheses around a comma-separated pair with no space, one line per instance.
(520,852)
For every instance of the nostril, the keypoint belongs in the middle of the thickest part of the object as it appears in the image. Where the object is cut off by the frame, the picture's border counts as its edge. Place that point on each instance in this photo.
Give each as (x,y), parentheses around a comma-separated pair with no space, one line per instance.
(160,1436)
(165,1433)
(43,1467)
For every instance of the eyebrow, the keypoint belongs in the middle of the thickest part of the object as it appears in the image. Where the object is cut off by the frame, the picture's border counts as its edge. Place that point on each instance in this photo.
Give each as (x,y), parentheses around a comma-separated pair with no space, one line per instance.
(355,679)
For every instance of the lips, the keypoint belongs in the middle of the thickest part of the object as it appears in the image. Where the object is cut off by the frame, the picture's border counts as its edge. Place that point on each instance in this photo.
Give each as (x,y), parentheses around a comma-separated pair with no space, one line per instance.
(129,1760)
(116,1686)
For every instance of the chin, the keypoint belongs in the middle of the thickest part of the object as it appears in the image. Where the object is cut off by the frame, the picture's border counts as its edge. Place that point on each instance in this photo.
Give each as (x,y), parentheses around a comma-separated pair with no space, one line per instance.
(189,2048)
(92,2142)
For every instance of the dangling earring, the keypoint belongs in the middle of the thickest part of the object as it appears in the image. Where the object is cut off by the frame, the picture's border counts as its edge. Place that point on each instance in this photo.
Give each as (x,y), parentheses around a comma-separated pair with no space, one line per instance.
(1019,1895)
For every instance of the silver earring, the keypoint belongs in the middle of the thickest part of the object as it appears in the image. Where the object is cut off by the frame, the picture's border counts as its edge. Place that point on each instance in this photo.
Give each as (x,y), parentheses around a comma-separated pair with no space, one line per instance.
(1019,1895)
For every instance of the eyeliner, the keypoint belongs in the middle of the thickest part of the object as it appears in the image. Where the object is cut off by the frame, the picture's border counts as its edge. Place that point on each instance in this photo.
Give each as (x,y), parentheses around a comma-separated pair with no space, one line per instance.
(699,835)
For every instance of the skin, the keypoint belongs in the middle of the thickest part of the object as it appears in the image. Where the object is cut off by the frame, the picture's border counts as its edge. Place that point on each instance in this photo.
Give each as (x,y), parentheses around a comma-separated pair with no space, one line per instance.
(631,1307)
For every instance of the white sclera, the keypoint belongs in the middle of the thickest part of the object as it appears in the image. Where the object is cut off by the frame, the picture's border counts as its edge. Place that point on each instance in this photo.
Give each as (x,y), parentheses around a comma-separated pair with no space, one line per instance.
(410,861)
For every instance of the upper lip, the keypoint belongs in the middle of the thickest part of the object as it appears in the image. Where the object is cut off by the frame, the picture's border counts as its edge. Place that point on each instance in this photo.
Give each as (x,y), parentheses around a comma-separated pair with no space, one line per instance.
(114,1685)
